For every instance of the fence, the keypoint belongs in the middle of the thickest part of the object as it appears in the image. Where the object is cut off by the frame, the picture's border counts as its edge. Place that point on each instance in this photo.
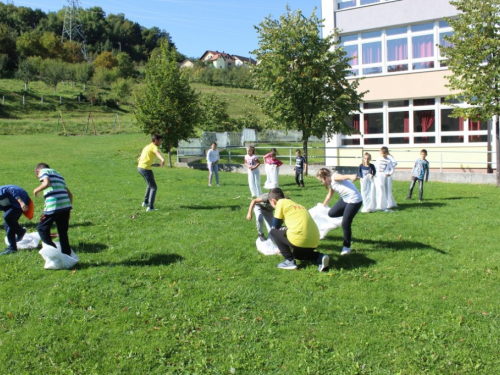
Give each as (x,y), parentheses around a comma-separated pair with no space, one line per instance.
(352,157)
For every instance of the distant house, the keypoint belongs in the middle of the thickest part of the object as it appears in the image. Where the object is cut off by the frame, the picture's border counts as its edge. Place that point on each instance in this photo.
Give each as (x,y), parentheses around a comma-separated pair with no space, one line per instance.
(224,60)
(186,64)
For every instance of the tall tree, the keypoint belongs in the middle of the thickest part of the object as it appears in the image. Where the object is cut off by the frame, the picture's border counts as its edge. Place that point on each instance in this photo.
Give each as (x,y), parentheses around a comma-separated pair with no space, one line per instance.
(474,59)
(167,105)
(306,77)
(53,72)
(28,70)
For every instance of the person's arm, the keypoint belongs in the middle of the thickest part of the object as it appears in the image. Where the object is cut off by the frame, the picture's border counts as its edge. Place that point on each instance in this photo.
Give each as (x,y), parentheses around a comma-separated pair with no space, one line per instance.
(209,152)
(328,197)
(160,156)
(257,163)
(23,205)
(44,185)
(70,195)
(252,205)
(427,170)
(277,223)
(278,163)
(343,177)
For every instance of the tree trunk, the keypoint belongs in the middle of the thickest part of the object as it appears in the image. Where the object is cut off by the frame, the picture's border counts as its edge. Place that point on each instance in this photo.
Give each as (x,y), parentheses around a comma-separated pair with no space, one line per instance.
(304,148)
(169,156)
(497,149)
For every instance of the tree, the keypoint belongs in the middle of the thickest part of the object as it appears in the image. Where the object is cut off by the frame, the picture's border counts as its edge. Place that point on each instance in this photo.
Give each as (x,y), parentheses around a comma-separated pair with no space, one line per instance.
(83,73)
(125,65)
(474,59)
(167,104)
(106,60)
(306,77)
(27,71)
(53,72)
(214,117)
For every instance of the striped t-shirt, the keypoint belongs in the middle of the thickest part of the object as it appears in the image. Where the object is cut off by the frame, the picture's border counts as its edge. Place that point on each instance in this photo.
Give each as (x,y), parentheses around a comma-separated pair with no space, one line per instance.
(56,195)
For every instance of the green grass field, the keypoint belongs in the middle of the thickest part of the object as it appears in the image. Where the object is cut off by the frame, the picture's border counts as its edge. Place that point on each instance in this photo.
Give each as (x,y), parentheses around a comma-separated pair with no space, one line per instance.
(184,291)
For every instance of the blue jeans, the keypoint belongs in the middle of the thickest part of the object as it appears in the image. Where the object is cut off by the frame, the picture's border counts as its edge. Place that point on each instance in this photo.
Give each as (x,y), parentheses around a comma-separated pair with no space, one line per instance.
(213,169)
(149,197)
(12,227)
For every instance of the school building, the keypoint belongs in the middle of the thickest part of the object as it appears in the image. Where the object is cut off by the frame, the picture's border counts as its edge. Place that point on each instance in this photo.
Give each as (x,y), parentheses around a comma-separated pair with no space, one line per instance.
(395,49)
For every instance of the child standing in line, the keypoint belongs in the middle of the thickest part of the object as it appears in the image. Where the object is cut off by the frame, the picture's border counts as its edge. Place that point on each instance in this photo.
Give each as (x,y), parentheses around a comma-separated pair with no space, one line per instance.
(384,170)
(347,207)
(391,203)
(58,204)
(419,172)
(252,163)
(300,168)
(213,163)
(366,172)
(14,201)
(272,164)
(300,238)
(263,214)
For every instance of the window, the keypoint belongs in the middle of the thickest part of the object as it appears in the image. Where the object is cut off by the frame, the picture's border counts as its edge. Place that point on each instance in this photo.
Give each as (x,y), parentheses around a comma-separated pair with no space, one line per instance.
(413,122)
(399,49)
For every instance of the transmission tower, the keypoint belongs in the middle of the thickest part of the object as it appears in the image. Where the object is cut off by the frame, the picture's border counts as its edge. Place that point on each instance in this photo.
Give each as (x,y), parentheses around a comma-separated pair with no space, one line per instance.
(72,27)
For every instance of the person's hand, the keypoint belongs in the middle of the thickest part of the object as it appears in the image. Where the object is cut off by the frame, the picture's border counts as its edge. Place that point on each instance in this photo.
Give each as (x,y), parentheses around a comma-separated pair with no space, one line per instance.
(354,177)
(36,193)
(162,163)
(24,207)
(249,216)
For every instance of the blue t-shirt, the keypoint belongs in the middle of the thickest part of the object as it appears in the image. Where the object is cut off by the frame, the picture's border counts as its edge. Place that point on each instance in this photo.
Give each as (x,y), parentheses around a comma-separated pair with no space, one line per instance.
(9,194)
(421,169)
(299,163)
(364,171)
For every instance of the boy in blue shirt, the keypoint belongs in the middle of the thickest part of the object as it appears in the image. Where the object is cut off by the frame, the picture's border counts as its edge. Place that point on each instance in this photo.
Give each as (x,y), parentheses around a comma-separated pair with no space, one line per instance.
(419,172)
(300,168)
(14,201)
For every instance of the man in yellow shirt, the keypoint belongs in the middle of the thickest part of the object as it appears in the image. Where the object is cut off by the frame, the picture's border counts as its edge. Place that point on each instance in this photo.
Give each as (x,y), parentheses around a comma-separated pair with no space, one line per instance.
(300,238)
(145,161)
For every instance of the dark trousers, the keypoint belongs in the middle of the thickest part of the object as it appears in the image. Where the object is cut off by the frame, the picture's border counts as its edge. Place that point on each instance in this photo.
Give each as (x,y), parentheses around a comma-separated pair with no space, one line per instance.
(420,187)
(149,197)
(299,177)
(12,227)
(347,211)
(290,251)
(62,223)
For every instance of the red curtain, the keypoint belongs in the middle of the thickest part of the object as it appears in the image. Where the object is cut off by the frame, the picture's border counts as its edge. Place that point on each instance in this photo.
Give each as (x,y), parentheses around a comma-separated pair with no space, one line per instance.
(406,124)
(355,122)
(426,119)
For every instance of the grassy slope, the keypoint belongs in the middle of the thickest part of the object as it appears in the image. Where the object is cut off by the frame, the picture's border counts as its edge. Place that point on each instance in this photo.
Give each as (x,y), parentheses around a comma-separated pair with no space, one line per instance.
(183,290)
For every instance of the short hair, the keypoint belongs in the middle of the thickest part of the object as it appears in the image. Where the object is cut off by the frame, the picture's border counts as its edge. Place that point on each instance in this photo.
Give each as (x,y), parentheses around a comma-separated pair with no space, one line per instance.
(424,150)
(273,150)
(156,137)
(41,166)
(213,143)
(276,193)
(297,150)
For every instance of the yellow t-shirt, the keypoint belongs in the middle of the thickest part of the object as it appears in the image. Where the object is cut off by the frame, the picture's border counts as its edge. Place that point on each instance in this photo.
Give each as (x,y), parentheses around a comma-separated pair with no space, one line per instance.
(148,156)
(302,230)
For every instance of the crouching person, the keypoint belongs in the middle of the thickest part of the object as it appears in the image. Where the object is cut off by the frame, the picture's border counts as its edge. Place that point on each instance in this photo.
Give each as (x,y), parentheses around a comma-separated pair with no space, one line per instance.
(300,238)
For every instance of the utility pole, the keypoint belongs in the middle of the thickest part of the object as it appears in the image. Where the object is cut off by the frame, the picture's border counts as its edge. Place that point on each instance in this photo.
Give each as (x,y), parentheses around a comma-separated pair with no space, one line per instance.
(72,27)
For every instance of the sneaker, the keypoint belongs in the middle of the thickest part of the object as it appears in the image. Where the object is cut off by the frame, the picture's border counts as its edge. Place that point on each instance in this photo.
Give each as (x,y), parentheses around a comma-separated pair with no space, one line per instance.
(144,204)
(20,238)
(323,262)
(218,184)
(345,251)
(151,209)
(8,250)
(288,265)
(210,185)
(262,237)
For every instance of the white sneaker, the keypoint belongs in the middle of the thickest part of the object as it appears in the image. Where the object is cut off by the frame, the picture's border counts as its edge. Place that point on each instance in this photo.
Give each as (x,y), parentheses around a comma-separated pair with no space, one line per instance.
(151,209)
(345,251)
(144,204)
(323,263)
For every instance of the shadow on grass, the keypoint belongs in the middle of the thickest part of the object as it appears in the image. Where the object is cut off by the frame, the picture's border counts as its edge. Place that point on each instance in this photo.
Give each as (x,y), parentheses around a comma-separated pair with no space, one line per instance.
(454,198)
(400,245)
(232,207)
(405,206)
(352,261)
(151,260)
(31,226)
(90,248)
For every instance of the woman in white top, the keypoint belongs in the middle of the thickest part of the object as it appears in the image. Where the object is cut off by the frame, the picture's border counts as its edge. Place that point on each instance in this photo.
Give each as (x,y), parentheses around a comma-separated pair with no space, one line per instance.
(383,186)
(213,163)
(348,206)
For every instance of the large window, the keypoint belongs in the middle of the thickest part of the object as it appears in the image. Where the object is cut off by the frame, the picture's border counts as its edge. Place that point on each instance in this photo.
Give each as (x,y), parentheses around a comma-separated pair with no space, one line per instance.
(345,4)
(400,49)
(423,121)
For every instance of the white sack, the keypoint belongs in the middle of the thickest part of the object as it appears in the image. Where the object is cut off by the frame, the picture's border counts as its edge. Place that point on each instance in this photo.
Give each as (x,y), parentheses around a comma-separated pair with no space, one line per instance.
(325,223)
(29,241)
(368,194)
(272,177)
(55,259)
(267,247)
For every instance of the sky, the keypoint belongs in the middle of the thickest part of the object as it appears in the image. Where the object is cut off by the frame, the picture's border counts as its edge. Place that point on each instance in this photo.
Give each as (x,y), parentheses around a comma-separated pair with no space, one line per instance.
(195,26)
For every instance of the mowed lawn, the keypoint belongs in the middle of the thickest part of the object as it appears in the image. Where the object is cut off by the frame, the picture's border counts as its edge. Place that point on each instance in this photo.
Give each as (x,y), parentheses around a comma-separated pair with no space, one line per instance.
(183,290)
